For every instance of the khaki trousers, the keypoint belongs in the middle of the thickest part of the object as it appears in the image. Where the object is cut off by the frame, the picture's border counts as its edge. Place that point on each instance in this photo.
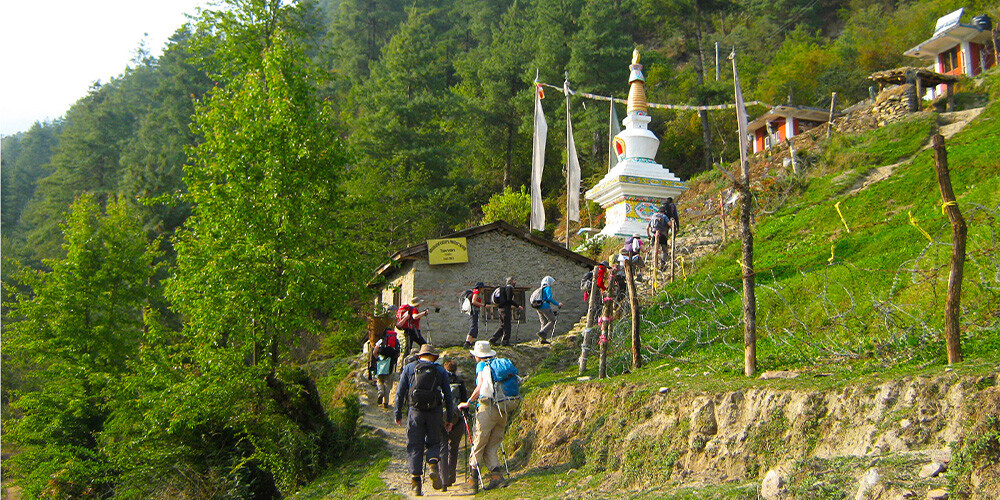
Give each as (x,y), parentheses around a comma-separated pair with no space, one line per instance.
(491,424)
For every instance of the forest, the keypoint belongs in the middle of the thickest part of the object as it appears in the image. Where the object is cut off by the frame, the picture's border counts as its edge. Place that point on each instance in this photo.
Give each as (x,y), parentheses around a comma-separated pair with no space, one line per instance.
(190,234)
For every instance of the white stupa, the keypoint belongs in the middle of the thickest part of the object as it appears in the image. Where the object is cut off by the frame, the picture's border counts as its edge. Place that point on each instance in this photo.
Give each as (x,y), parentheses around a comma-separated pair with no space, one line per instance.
(635,188)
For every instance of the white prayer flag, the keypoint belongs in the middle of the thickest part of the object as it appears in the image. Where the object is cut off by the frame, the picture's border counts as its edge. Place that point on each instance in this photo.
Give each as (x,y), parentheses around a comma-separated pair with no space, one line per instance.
(741,116)
(572,174)
(537,163)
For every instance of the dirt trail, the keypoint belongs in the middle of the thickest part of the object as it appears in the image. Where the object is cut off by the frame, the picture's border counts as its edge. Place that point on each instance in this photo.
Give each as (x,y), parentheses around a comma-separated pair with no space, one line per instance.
(396,475)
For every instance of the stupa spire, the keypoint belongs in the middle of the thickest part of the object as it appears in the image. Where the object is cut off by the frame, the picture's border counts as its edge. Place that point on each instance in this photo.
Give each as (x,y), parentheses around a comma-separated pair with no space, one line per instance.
(637,103)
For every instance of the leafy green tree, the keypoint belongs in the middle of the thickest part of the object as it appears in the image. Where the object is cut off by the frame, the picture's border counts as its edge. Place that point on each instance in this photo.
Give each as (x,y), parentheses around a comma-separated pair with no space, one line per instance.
(76,327)
(509,206)
(261,260)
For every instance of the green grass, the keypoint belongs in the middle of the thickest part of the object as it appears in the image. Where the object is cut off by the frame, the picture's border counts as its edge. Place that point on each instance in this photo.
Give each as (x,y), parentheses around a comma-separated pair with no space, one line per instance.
(356,478)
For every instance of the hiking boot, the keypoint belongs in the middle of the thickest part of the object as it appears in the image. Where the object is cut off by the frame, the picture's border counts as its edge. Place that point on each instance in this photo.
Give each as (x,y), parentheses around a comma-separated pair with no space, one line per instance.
(435,474)
(379,400)
(543,341)
(467,345)
(416,486)
(496,480)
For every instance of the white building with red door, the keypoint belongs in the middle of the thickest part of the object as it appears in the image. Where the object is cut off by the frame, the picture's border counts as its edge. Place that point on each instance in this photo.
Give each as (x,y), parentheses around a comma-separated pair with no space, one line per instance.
(957,48)
(783,122)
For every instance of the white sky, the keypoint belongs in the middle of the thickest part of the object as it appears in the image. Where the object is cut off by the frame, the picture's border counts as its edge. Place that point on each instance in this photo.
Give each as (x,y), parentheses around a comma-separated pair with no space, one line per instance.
(51,51)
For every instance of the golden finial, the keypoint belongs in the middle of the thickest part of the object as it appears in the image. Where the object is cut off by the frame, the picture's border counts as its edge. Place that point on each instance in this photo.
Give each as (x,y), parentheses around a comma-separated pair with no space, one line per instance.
(635,56)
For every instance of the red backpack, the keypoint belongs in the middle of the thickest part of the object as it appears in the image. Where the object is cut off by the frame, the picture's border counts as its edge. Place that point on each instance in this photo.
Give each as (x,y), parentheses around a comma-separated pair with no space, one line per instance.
(403,316)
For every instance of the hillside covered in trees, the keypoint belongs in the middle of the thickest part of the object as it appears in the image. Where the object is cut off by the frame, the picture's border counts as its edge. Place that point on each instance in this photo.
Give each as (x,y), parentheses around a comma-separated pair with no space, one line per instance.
(190,234)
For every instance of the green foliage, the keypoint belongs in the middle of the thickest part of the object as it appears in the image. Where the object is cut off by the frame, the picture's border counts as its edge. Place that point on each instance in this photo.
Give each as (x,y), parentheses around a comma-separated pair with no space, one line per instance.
(510,206)
(77,329)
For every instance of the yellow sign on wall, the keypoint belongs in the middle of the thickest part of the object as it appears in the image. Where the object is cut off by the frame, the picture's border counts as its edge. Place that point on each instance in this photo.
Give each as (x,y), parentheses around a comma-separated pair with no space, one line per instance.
(447,251)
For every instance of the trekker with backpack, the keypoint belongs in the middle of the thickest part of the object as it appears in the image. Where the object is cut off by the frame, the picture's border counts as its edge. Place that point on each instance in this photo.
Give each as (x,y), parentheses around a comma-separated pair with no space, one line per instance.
(408,322)
(475,304)
(658,231)
(541,300)
(496,395)
(453,438)
(424,383)
(503,298)
(385,353)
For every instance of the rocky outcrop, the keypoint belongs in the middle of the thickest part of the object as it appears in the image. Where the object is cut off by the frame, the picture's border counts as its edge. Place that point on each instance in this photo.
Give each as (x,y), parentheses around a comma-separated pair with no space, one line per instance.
(877,436)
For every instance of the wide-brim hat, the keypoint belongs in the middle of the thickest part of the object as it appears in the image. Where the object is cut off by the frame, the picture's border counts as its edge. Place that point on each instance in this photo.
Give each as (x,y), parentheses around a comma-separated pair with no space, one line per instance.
(483,349)
(428,350)
(416,301)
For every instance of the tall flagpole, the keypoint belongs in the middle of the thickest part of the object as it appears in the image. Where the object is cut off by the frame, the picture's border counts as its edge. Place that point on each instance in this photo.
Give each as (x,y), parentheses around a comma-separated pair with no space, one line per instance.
(568,153)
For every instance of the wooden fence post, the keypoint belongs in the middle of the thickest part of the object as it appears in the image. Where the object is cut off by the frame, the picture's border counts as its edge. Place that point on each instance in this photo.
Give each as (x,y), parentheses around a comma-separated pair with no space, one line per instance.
(607,312)
(958,232)
(633,302)
(673,243)
(588,331)
(722,215)
(833,107)
(656,258)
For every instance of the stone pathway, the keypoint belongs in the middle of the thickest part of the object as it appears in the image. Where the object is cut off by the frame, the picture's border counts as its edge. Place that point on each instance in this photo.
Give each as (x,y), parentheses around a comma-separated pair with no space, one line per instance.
(396,475)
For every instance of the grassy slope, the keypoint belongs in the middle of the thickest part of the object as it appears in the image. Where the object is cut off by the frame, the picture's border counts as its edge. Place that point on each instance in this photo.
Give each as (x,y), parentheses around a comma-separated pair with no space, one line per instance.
(793,248)
(814,314)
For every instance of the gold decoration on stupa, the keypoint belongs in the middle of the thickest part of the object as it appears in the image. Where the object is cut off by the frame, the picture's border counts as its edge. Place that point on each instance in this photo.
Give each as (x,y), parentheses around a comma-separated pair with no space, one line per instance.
(637,89)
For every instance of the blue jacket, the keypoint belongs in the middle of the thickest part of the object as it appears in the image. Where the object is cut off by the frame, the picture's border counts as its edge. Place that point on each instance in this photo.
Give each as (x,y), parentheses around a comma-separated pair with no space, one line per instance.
(547,298)
(403,389)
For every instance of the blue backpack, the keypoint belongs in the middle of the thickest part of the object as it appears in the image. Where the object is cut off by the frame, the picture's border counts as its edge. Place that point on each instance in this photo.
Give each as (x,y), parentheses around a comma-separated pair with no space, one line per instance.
(506,383)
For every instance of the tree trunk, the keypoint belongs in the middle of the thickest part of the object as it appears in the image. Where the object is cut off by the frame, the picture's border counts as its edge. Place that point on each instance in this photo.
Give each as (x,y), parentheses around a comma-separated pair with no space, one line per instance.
(749,295)
(593,309)
(952,329)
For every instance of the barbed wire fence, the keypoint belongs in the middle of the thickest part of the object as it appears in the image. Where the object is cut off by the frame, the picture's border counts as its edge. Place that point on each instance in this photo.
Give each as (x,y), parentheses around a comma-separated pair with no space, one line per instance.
(855,311)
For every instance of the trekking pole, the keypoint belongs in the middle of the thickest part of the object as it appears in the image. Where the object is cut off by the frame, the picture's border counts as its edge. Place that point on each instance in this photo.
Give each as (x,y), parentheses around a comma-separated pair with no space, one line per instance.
(503,450)
(517,331)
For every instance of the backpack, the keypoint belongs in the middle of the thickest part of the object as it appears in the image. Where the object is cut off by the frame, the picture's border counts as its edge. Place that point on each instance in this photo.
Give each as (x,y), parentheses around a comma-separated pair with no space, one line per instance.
(465,302)
(403,317)
(499,297)
(424,392)
(390,344)
(457,390)
(536,298)
(587,281)
(632,246)
(506,383)
(659,222)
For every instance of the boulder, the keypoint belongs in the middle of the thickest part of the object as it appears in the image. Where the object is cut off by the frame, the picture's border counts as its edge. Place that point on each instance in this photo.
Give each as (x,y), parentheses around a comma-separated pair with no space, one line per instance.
(932,469)
(773,487)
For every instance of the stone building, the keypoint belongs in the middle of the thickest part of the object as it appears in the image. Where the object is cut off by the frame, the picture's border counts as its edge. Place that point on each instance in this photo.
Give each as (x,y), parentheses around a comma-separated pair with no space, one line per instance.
(494,251)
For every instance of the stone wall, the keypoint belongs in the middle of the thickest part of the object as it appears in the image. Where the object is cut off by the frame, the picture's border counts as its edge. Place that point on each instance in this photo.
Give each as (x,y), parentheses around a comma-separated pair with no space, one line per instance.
(894,103)
(492,257)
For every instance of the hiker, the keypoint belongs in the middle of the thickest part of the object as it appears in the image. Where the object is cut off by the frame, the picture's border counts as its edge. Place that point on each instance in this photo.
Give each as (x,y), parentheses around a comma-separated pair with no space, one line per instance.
(659,227)
(475,305)
(453,438)
(542,301)
(632,250)
(408,321)
(496,393)
(503,298)
(385,353)
(585,284)
(425,384)
(670,209)
(603,272)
